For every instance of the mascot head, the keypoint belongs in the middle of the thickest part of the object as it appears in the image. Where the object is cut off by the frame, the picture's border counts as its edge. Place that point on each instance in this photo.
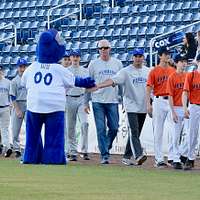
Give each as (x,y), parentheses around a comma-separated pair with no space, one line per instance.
(50,47)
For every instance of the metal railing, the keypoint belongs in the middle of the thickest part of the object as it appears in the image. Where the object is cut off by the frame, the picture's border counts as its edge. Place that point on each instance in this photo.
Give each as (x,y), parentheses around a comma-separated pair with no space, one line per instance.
(14,35)
(59,18)
(165,34)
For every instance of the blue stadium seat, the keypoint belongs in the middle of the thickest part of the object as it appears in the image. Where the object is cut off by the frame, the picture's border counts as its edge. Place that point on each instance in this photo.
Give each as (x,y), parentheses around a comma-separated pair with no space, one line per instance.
(125,11)
(24,48)
(169,7)
(117,33)
(100,34)
(84,45)
(85,57)
(178,6)
(32,4)
(152,8)
(140,43)
(125,32)
(152,19)
(134,10)
(16,4)
(82,24)
(67,35)
(94,56)
(178,18)
(106,12)
(93,46)
(24,15)
(76,35)
(144,20)
(151,31)
(133,32)
(169,18)
(54,3)
(187,17)
(84,35)
(119,22)
(111,22)
(143,9)
(124,57)
(196,17)
(2,14)
(115,12)
(101,22)
(8,15)
(127,21)
(108,33)
(88,12)
(131,44)
(121,45)
(160,19)
(195,5)
(160,30)
(92,34)
(161,7)
(142,31)
(186,5)
(2,5)
(91,23)
(24,4)
(135,20)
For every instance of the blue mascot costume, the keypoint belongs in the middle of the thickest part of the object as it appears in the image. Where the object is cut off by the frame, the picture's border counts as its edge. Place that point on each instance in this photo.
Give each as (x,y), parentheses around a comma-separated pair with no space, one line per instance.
(46,82)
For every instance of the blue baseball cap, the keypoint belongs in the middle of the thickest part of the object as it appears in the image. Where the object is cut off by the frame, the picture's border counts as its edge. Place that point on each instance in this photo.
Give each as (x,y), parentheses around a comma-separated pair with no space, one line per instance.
(137,52)
(75,52)
(21,61)
(179,57)
(67,54)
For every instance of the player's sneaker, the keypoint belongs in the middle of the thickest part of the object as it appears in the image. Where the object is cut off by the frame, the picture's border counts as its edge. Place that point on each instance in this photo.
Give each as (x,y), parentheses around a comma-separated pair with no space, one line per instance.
(170,163)
(188,165)
(8,153)
(85,156)
(17,154)
(183,159)
(73,158)
(104,161)
(127,161)
(141,159)
(177,165)
(160,165)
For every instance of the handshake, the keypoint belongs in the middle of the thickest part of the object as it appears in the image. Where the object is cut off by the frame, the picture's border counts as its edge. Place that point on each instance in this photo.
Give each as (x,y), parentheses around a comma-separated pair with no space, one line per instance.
(85,82)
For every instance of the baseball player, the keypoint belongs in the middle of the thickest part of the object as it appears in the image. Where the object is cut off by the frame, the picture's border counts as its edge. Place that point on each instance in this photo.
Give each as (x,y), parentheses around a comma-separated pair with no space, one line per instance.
(133,79)
(18,96)
(75,109)
(66,61)
(174,89)
(105,101)
(191,91)
(157,82)
(5,113)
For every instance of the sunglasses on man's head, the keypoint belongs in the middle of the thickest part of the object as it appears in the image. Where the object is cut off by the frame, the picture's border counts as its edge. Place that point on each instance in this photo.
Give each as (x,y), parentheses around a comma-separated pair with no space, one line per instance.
(103,48)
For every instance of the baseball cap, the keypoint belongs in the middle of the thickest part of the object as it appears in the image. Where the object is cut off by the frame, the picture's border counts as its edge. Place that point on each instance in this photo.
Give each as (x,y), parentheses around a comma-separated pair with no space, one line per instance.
(21,61)
(67,54)
(163,50)
(75,52)
(138,52)
(198,57)
(179,57)
(104,43)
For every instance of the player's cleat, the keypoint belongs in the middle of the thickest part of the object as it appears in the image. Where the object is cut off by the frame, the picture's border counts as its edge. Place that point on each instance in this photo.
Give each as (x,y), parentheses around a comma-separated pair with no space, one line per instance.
(177,165)
(188,165)
(104,161)
(85,156)
(183,159)
(141,159)
(73,158)
(17,154)
(170,163)
(8,153)
(127,161)
(161,165)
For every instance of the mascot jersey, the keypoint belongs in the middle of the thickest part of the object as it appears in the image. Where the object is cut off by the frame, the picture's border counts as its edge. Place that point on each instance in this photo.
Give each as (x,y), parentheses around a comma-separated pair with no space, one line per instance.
(46,87)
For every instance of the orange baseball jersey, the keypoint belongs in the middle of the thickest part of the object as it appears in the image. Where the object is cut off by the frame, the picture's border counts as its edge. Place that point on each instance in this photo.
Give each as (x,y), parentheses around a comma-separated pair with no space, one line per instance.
(158,79)
(175,85)
(192,85)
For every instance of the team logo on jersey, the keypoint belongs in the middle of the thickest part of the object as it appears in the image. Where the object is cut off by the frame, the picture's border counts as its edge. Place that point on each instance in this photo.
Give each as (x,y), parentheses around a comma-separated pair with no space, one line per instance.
(3,90)
(139,80)
(107,72)
(162,79)
(179,85)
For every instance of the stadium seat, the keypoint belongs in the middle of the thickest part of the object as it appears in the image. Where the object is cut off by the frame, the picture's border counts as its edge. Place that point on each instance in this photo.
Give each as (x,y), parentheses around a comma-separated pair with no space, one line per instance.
(131,44)
(152,8)
(143,9)
(142,31)
(178,6)
(125,11)
(194,6)
(160,8)
(151,31)
(100,34)
(111,22)
(108,34)
(186,5)
(119,22)
(92,35)
(169,7)
(116,34)
(169,18)
(125,32)
(133,32)
(115,12)
(76,35)
(84,35)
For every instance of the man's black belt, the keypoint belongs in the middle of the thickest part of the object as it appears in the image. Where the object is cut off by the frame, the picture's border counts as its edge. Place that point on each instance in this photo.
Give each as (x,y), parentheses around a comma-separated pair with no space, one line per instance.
(164,97)
(4,106)
(75,95)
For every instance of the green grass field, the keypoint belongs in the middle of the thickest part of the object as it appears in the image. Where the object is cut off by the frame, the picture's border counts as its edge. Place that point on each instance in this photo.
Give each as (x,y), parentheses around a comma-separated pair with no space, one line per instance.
(74,182)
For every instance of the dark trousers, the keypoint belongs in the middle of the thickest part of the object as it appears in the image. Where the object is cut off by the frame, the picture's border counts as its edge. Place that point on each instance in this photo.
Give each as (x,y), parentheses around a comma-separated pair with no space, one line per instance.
(136,121)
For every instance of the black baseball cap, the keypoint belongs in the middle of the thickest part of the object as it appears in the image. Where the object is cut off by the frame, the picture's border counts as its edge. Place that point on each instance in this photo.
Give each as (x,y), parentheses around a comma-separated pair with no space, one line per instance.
(179,57)
(163,50)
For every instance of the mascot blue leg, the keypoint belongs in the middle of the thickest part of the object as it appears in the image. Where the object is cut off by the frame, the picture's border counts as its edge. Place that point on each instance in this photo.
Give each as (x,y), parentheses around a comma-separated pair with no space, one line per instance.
(54,139)
(33,149)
